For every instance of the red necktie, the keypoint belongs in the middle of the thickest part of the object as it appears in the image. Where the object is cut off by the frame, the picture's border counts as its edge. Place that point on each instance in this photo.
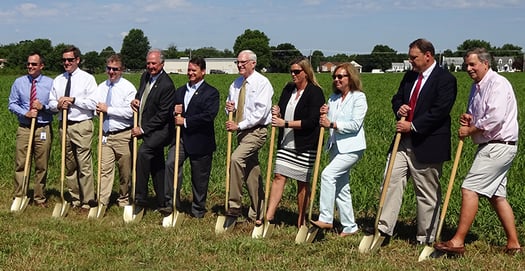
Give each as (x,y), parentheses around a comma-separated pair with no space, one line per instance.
(32,98)
(413,98)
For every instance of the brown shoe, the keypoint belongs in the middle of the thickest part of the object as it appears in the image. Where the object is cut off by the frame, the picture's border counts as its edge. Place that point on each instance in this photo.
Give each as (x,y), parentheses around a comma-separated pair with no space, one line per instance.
(322,225)
(346,234)
(512,251)
(449,248)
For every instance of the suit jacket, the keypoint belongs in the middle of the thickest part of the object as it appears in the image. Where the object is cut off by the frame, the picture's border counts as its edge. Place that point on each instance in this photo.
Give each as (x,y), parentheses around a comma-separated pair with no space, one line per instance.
(157,117)
(349,115)
(306,110)
(431,142)
(199,135)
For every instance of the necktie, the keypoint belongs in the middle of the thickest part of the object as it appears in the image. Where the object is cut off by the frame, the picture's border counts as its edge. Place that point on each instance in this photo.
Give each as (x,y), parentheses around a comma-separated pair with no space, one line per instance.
(413,98)
(105,125)
(32,97)
(68,86)
(143,99)
(239,116)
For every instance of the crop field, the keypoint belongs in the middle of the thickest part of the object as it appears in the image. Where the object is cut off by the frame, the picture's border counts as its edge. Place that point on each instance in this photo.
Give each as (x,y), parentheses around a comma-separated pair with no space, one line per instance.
(34,240)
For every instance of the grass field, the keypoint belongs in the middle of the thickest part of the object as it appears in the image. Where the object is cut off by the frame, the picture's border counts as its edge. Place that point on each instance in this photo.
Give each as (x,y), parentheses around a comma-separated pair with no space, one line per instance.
(36,241)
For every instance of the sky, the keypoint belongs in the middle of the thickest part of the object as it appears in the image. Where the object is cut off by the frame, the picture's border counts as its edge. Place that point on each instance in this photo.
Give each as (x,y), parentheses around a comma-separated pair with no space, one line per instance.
(331,26)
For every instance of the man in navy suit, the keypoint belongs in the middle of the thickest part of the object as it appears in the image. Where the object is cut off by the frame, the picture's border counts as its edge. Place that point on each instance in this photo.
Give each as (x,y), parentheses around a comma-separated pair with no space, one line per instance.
(425,98)
(196,106)
(154,103)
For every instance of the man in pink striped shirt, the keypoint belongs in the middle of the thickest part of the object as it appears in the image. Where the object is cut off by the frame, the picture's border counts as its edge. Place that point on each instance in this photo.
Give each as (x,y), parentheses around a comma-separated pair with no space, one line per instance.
(491,121)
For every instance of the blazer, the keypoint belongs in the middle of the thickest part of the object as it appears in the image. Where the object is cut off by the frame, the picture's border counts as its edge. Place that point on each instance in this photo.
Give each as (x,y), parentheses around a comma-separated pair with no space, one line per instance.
(349,116)
(157,117)
(431,142)
(199,135)
(306,110)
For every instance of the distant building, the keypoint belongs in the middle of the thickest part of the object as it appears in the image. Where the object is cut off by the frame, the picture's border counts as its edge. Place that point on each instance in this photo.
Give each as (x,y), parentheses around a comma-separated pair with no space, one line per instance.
(2,61)
(213,65)
(330,66)
(400,66)
(504,63)
(449,62)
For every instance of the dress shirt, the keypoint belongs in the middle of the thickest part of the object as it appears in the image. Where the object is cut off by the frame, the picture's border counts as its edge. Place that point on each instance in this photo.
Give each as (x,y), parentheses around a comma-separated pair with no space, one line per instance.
(20,95)
(190,90)
(120,112)
(493,109)
(258,101)
(83,89)
(425,75)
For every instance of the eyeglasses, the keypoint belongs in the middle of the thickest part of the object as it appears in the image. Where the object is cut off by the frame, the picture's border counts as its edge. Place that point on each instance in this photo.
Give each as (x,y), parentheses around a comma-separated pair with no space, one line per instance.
(241,62)
(296,72)
(33,64)
(115,69)
(339,76)
(70,59)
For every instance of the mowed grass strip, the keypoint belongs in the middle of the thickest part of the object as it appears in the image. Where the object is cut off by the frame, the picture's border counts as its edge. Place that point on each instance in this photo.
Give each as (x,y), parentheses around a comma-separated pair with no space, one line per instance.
(36,241)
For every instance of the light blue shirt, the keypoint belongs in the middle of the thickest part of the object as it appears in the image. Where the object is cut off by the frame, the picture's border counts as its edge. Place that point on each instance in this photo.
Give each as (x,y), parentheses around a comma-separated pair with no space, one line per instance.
(20,95)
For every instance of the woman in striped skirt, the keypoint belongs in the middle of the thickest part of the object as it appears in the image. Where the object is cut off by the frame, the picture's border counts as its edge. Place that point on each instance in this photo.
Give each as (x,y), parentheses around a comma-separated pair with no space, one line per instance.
(297,116)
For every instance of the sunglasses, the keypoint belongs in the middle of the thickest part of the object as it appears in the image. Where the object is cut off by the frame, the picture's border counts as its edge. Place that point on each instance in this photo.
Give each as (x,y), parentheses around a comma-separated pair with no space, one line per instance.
(33,64)
(115,69)
(339,76)
(71,59)
(296,72)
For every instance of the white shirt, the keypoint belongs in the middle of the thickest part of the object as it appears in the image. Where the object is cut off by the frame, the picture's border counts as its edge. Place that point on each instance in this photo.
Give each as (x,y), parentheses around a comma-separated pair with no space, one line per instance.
(119,110)
(493,109)
(83,89)
(258,100)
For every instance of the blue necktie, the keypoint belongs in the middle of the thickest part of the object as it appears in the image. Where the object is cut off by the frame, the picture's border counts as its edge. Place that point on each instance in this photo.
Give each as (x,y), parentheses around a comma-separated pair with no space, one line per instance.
(105,125)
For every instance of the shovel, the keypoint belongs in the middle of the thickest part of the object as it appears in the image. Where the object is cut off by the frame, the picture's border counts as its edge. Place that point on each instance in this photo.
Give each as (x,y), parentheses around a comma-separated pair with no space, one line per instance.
(266,229)
(20,203)
(99,210)
(305,234)
(373,242)
(225,223)
(428,251)
(62,207)
(175,218)
(132,214)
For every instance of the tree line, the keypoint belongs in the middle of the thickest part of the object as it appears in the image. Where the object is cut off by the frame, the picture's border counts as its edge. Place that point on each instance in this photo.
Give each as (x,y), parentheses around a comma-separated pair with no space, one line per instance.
(135,46)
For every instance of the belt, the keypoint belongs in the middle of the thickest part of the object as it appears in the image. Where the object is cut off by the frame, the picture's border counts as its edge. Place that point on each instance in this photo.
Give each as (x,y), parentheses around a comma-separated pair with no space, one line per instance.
(499,142)
(253,128)
(70,122)
(117,132)
(37,125)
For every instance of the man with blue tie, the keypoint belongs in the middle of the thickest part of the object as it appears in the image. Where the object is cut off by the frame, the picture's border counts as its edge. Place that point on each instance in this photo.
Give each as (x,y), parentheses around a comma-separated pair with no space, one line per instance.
(196,106)
(116,93)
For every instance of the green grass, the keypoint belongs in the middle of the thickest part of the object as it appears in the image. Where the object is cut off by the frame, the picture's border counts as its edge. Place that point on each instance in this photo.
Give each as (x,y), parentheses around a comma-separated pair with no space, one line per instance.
(36,241)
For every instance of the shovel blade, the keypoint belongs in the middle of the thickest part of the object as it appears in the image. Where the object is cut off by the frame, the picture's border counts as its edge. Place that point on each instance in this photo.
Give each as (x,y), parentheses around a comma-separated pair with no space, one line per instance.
(132,214)
(93,212)
(312,233)
(268,230)
(224,224)
(61,209)
(425,253)
(101,210)
(25,202)
(366,243)
(376,244)
(17,202)
(258,231)
(301,235)
(172,221)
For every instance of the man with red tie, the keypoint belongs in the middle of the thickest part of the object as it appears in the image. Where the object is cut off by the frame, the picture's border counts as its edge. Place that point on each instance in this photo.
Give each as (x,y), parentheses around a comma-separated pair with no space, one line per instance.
(425,98)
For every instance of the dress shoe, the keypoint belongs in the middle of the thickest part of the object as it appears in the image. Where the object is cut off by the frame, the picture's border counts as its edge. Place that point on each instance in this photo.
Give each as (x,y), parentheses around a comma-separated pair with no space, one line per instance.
(372,231)
(512,251)
(165,211)
(233,212)
(449,248)
(346,234)
(322,225)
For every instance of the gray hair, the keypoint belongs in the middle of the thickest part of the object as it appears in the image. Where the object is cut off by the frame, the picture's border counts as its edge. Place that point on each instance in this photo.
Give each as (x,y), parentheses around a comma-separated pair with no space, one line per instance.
(482,53)
(155,50)
(251,54)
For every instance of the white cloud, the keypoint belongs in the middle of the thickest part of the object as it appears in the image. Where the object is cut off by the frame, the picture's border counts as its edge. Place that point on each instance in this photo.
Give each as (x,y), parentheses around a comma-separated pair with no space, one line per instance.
(31,10)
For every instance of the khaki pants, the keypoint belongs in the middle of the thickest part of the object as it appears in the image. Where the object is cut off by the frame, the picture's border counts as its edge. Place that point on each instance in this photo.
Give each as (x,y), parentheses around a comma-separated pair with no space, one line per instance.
(245,169)
(42,140)
(117,149)
(79,166)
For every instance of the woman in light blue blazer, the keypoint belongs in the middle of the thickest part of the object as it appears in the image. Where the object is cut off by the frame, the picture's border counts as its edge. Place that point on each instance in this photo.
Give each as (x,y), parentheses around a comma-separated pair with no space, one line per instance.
(344,115)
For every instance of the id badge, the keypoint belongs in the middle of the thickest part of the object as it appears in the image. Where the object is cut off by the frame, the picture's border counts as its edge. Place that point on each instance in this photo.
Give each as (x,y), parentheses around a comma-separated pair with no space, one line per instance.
(43,136)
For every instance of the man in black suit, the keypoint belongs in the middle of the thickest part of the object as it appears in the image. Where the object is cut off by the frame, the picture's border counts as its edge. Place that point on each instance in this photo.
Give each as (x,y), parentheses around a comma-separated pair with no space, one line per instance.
(425,97)
(197,103)
(154,102)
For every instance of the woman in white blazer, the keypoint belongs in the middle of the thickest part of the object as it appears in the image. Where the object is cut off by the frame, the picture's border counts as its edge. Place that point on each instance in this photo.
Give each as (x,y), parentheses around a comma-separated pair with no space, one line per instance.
(344,116)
